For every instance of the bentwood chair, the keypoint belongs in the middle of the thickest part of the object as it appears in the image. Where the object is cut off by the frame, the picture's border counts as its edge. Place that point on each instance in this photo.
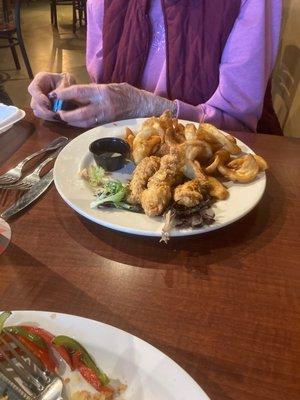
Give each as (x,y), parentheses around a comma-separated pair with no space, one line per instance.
(79,11)
(10,30)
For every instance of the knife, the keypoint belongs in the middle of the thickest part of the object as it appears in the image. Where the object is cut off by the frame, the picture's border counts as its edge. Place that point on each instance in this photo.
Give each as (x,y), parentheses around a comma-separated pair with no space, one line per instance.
(34,193)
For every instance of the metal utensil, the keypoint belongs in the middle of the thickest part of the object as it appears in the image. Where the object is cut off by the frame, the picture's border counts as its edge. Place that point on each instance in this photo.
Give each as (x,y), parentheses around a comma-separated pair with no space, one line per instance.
(28,181)
(25,374)
(15,173)
(34,193)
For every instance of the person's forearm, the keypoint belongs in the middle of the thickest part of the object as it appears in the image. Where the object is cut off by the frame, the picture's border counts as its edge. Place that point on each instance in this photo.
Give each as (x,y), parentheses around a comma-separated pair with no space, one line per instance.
(152,105)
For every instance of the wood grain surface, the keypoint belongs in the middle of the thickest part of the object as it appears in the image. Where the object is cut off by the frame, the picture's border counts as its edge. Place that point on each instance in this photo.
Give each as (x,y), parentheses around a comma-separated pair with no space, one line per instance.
(225,305)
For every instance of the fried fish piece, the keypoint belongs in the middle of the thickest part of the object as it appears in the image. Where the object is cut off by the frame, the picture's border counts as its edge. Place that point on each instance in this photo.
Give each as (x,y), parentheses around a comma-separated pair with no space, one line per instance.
(145,169)
(189,194)
(216,189)
(158,194)
(154,200)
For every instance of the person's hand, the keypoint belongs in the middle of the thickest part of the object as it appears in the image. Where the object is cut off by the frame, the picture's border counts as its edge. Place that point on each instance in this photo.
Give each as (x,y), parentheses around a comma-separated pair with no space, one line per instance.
(100,103)
(41,86)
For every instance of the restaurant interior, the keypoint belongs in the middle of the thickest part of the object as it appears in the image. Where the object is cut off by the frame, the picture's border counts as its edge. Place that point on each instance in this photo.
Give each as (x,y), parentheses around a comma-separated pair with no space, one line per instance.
(149,200)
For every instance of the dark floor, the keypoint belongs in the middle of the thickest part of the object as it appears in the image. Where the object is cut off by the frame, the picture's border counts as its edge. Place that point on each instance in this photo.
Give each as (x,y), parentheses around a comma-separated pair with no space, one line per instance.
(48,49)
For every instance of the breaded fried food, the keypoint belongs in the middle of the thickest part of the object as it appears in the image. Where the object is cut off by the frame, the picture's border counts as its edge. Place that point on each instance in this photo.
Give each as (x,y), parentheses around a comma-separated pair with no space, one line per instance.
(193,170)
(197,150)
(218,139)
(145,143)
(145,169)
(129,137)
(189,194)
(190,132)
(160,124)
(242,169)
(154,200)
(158,194)
(262,163)
(216,189)
(220,157)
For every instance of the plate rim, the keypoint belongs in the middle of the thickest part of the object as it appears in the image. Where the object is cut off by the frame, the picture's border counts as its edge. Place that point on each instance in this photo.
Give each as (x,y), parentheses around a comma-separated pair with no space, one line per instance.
(137,232)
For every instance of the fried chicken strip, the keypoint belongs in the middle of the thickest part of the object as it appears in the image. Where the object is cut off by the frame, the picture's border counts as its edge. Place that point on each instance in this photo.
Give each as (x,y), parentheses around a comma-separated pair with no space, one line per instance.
(157,196)
(216,189)
(189,194)
(142,173)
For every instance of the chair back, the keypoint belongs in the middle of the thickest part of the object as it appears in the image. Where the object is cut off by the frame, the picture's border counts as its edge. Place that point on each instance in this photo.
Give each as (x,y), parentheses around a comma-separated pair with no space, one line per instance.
(6,12)
(286,80)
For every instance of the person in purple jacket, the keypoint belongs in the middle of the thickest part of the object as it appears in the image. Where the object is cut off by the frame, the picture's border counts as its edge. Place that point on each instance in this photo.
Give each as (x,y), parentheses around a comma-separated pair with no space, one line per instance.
(205,60)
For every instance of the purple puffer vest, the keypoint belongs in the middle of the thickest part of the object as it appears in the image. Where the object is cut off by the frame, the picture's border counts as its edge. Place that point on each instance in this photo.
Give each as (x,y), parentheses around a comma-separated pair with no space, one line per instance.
(196,34)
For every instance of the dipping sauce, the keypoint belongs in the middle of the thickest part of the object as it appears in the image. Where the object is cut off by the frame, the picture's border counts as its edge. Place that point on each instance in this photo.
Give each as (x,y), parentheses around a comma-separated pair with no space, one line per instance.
(110,153)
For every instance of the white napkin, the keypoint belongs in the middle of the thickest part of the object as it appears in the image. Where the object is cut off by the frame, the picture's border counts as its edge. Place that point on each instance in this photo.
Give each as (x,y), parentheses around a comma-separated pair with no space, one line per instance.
(7,114)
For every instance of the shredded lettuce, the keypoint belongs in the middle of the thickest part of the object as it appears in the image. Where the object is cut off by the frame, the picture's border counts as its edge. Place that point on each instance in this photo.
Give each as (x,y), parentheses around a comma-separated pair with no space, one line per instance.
(112,192)
(95,175)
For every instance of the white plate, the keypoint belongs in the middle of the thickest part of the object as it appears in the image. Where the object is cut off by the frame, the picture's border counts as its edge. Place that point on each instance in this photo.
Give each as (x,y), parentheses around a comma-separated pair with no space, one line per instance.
(76,193)
(9,115)
(149,374)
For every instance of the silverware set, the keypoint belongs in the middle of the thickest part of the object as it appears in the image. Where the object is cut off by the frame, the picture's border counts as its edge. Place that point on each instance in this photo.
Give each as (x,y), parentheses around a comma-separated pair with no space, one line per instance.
(33,182)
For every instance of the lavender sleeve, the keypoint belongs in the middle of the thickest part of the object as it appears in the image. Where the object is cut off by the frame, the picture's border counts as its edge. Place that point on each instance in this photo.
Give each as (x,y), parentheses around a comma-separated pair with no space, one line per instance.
(246,65)
(94,42)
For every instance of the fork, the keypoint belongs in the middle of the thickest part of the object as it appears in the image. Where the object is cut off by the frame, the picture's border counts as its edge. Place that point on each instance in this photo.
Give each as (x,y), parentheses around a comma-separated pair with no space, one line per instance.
(15,173)
(25,374)
(28,181)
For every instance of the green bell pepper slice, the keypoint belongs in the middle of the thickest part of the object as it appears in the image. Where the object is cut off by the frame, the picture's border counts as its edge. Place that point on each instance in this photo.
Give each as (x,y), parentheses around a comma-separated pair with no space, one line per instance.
(73,346)
(3,317)
(21,331)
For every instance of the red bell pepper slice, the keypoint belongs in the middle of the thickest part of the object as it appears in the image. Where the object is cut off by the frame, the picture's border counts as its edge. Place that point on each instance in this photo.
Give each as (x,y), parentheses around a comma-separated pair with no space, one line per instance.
(48,338)
(89,375)
(42,354)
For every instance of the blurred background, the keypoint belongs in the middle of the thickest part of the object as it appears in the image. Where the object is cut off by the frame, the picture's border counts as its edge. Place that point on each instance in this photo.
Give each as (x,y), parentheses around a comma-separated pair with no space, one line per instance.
(286,76)
(62,48)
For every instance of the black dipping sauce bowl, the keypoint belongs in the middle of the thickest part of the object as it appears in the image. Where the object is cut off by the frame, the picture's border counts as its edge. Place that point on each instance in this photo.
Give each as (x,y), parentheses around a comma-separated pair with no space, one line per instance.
(110,153)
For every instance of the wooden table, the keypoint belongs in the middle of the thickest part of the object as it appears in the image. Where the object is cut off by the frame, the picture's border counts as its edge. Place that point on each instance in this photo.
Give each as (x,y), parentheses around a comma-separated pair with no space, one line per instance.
(225,305)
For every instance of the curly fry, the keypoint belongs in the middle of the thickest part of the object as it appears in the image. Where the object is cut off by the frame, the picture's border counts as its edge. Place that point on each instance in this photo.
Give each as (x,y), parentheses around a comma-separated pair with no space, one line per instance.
(190,132)
(242,169)
(217,138)
(261,162)
(221,157)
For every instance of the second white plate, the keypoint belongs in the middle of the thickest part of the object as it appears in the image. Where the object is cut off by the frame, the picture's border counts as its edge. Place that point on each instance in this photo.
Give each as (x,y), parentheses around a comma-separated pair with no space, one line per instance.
(148,373)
